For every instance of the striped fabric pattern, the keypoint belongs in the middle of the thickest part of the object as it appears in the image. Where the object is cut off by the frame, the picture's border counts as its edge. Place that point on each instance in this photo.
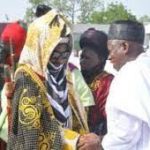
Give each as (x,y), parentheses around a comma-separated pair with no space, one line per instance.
(58,93)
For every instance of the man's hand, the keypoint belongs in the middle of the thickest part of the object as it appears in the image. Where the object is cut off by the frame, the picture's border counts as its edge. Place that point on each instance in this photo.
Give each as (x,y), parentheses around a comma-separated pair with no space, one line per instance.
(9,89)
(89,141)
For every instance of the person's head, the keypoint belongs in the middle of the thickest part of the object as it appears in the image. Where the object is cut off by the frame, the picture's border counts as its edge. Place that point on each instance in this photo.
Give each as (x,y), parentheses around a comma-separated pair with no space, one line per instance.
(125,41)
(94,50)
(11,43)
(47,36)
(41,10)
(13,38)
(62,51)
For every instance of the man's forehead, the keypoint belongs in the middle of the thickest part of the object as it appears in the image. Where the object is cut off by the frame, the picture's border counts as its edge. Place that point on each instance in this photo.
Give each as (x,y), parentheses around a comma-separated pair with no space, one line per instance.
(114,42)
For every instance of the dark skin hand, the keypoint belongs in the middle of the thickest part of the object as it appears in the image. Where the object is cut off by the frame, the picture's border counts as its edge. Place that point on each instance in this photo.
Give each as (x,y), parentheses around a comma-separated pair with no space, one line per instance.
(89,142)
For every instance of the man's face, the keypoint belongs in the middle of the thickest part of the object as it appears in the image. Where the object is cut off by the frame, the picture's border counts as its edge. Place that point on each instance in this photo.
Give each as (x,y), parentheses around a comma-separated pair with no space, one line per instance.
(89,59)
(60,55)
(117,53)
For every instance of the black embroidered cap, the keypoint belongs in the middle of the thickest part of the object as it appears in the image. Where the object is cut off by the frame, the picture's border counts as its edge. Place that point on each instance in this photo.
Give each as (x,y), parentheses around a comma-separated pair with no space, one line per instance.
(127,30)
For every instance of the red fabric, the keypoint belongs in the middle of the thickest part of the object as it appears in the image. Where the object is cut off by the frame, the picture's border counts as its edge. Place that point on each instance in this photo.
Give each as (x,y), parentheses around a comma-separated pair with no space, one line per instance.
(3,145)
(100,89)
(17,34)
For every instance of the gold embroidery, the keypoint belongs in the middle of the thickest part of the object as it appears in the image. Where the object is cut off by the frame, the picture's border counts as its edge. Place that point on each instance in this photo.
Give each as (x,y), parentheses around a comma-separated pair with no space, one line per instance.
(46,141)
(98,81)
(94,85)
(44,144)
(29,112)
(52,137)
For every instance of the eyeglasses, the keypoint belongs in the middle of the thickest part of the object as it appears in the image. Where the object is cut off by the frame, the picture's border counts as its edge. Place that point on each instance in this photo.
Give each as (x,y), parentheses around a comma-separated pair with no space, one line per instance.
(63,55)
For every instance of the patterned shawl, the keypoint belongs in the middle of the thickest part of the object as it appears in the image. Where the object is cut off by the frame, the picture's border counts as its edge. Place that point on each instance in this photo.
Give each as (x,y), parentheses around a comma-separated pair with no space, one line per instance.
(43,36)
(58,93)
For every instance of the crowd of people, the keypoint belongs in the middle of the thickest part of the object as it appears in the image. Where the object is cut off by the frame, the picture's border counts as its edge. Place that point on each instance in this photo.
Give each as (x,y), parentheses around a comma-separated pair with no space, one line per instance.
(48,103)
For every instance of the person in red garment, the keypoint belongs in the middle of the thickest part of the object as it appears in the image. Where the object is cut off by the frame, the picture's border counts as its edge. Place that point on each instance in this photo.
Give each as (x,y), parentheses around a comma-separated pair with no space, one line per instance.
(11,43)
(93,58)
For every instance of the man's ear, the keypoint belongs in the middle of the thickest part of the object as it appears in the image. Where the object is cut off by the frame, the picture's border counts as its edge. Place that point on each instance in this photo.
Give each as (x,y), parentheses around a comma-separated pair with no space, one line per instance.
(125,46)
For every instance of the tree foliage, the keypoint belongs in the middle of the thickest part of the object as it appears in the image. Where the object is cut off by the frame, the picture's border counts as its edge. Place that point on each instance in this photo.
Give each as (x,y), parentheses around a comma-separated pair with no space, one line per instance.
(75,10)
(87,7)
(144,18)
(113,11)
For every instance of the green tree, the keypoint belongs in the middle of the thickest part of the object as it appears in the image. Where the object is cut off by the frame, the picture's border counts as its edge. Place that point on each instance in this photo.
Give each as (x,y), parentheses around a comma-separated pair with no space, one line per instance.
(87,7)
(144,18)
(30,11)
(75,10)
(113,11)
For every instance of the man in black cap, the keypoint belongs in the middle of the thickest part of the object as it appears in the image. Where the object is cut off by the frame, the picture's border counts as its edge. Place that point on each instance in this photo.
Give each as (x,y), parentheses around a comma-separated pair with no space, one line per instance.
(127,108)
(125,43)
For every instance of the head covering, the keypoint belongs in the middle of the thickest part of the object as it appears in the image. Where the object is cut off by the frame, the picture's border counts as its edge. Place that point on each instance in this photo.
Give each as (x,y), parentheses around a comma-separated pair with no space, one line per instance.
(43,36)
(42,10)
(14,35)
(96,40)
(127,30)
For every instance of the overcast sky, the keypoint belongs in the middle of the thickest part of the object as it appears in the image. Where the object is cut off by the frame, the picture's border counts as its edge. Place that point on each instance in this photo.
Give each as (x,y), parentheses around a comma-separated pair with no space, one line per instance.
(15,9)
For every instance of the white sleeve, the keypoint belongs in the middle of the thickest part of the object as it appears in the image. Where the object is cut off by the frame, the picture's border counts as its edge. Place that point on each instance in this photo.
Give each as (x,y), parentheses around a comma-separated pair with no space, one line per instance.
(123,131)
